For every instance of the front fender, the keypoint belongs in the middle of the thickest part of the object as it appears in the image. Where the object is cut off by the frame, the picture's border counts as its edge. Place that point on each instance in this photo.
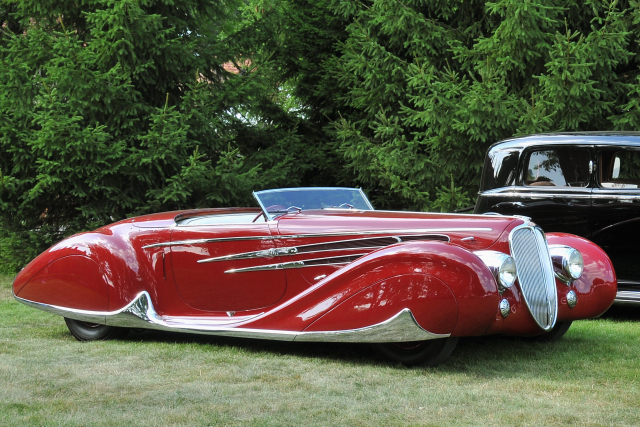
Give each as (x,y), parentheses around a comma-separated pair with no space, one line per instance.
(447,288)
(597,287)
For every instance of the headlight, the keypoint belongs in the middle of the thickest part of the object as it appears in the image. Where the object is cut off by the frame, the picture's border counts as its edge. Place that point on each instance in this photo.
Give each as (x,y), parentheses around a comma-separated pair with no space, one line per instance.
(567,262)
(501,265)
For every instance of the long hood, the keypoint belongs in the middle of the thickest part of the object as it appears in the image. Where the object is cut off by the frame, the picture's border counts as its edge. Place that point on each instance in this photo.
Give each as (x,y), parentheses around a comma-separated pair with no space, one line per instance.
(479,231)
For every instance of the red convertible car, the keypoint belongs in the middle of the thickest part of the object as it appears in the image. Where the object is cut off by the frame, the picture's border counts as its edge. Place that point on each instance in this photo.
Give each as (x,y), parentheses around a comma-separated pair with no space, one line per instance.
(319,264)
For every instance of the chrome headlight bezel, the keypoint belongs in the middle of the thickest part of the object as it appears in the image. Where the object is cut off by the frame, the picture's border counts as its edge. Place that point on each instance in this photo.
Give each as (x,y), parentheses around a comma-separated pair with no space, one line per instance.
(502,266)
(568,264)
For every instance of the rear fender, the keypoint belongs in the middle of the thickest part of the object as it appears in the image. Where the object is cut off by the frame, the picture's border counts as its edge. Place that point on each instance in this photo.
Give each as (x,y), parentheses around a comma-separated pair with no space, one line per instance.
(97,271)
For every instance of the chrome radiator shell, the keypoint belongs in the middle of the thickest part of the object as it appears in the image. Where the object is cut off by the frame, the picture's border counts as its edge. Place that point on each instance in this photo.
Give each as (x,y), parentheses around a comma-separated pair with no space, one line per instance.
(537,282)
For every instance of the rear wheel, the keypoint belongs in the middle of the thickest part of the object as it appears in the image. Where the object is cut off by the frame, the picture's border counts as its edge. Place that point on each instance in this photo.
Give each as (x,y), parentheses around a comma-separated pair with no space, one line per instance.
(427,353)
(87,331)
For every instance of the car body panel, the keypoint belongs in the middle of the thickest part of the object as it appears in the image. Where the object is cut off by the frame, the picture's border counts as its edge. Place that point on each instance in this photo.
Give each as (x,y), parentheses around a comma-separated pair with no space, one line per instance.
(316,275)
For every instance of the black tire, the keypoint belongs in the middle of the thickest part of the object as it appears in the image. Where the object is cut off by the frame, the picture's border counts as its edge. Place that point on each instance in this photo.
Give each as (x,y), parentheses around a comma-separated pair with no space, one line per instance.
(555,333)
(86,331)
(426,353)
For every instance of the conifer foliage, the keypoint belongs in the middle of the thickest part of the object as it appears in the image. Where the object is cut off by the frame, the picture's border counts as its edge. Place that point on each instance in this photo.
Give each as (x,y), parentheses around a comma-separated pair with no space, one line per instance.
(425,86)
(110,108)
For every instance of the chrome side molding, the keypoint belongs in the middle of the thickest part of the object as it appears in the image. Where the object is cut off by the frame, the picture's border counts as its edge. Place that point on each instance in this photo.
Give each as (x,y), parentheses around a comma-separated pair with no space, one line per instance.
(395,232)
(402,327)
(315,262)
(140,313)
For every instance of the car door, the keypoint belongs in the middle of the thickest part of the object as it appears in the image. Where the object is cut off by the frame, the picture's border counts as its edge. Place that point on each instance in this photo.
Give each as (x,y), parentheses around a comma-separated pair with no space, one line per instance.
(222,263)
(615,219)
(554,188)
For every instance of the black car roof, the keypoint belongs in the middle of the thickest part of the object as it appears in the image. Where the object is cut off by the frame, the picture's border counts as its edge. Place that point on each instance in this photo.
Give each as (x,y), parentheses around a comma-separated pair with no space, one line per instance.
(571,138)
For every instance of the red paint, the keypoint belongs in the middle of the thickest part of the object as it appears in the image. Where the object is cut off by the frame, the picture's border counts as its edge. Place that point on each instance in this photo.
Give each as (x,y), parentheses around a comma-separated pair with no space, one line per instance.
(447,287)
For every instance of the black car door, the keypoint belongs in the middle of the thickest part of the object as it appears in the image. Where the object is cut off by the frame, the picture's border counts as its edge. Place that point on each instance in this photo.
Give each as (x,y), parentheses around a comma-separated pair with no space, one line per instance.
(615,219)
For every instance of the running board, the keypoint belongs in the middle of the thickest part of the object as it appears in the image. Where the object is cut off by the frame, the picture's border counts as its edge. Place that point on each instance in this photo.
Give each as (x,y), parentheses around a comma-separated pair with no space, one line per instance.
(140,313)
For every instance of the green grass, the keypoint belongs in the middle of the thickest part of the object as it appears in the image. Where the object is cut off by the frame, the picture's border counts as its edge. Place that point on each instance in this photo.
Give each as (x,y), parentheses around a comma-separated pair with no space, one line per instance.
(589,378)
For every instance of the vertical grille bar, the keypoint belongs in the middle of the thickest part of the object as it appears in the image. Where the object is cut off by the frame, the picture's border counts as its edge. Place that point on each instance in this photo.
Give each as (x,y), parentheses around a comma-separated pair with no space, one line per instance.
(535,274)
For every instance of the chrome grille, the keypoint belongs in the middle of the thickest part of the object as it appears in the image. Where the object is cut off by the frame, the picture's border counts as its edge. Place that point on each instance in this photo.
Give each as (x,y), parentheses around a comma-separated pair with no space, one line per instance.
(535,274)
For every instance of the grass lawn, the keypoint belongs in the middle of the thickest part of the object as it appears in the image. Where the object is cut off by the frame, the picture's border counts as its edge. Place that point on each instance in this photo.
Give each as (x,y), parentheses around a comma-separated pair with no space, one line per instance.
(589,378)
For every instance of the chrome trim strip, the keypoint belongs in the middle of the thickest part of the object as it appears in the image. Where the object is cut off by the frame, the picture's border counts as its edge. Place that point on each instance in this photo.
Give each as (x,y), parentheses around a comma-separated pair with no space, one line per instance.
(627,297)
(538,195)
(402,327)
(140,313)
(121,317)
(593,193)
(277,266)
(267,253)
(336,260)
(406,232)
(272,253)
(299,250)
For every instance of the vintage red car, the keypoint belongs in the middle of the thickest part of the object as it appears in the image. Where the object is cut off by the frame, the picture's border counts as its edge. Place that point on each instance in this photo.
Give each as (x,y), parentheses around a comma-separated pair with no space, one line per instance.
(319,264)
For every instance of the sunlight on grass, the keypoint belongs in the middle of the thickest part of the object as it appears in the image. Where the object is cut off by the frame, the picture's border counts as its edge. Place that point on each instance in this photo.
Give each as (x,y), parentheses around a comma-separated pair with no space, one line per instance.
(153,378)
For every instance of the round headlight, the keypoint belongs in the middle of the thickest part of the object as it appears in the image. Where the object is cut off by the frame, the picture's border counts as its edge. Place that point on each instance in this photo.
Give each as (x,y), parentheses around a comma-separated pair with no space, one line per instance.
(567,262)
(507,272)
(575,264)
(501,265)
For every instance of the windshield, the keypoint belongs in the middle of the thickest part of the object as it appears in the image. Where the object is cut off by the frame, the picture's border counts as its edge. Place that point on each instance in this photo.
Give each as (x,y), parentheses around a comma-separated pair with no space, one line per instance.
(285,200)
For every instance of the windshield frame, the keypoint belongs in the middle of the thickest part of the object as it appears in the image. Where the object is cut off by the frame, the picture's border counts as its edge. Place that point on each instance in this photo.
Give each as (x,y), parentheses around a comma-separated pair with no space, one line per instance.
(270,216)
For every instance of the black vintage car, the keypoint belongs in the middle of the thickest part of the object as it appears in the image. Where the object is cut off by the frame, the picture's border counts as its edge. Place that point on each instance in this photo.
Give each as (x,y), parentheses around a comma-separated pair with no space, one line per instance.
(581,183)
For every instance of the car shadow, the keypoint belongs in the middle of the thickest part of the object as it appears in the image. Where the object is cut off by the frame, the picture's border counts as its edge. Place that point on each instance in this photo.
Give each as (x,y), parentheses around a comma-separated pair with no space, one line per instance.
(470,353)
(347,352)
(623,312)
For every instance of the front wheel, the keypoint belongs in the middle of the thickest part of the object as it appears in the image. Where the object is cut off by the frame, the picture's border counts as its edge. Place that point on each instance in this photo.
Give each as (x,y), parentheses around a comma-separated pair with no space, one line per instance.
(555,333)
(427,353)
(87,331)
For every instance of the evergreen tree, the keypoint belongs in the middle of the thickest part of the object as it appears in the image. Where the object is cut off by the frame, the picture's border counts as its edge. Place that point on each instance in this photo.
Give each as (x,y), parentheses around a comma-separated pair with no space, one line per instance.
(110,108)
(424,87)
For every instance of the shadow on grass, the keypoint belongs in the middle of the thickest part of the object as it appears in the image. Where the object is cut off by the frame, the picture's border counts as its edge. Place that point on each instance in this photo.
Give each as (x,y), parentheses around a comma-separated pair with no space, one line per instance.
(623,312)
(352,353)
(470,352)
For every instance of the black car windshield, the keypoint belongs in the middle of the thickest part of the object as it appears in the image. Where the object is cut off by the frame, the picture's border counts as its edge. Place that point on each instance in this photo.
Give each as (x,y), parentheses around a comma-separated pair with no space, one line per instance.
(286,200)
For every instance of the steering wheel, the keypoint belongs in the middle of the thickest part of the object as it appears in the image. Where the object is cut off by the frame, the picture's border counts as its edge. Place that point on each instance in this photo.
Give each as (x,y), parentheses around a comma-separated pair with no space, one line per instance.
(347,205)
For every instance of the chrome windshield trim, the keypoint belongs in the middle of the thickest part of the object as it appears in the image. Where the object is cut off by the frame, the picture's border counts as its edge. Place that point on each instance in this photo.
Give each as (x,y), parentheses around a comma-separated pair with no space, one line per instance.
(140,313)
(366,199)
(256,195)
(264,209)
(405,232)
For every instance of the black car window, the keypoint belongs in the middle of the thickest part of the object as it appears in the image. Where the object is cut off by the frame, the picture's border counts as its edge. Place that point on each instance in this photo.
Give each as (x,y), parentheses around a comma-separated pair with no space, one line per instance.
(500,169)
(560,167)
(620,169)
